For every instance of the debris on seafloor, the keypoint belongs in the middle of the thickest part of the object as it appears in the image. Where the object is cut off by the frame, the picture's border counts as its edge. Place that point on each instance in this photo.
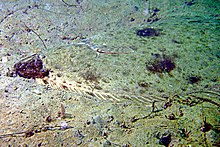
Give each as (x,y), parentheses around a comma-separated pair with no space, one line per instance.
(184,133)
(153,16)
(98,50)
(171,116)
(147,32)
(206,126)
(165,139)
(48,119)
(189,3)
(30,68)
(72,5)
(63,125)
(194,79)
(167,104)
(26,28)
(61,113)
(36,130)
(161,64)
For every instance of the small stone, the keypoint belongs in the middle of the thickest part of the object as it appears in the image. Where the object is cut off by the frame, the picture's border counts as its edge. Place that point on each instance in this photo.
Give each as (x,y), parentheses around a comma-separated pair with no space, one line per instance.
(37,92)
(63,125)
(165,140)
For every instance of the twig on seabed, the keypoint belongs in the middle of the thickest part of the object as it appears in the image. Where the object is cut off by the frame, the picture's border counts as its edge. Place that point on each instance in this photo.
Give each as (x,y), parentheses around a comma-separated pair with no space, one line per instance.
(98,50)
(61,113)
(34,130)
(71,5)
(31,30)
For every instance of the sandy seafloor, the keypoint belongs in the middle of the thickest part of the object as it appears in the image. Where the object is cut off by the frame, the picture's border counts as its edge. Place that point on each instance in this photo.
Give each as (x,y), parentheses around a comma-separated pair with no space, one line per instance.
(189,34)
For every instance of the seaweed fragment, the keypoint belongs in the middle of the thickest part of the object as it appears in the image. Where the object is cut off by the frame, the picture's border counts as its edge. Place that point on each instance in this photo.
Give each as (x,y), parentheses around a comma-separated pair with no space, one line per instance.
(147,32)
(32,68)
(161,64)
(206,126)
(90,75)
(194,79)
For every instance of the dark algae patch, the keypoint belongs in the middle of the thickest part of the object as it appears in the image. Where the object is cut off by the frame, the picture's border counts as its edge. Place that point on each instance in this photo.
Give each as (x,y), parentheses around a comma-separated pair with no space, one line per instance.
(147,32)
(161,63)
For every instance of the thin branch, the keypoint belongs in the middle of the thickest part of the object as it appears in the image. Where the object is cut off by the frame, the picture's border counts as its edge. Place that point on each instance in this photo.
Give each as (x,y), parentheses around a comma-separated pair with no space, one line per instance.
(31,30)
(70,5)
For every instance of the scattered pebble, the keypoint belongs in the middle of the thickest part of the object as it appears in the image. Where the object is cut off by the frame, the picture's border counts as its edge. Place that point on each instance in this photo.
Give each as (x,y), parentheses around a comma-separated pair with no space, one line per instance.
(63,125)
(36,91)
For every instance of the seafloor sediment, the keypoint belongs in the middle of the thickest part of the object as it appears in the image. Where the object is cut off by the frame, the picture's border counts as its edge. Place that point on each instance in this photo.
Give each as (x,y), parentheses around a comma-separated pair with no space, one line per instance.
(111,81)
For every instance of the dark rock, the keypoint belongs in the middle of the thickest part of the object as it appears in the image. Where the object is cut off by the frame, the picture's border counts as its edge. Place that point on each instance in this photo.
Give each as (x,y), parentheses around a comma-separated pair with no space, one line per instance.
(165,140)
(147,32)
